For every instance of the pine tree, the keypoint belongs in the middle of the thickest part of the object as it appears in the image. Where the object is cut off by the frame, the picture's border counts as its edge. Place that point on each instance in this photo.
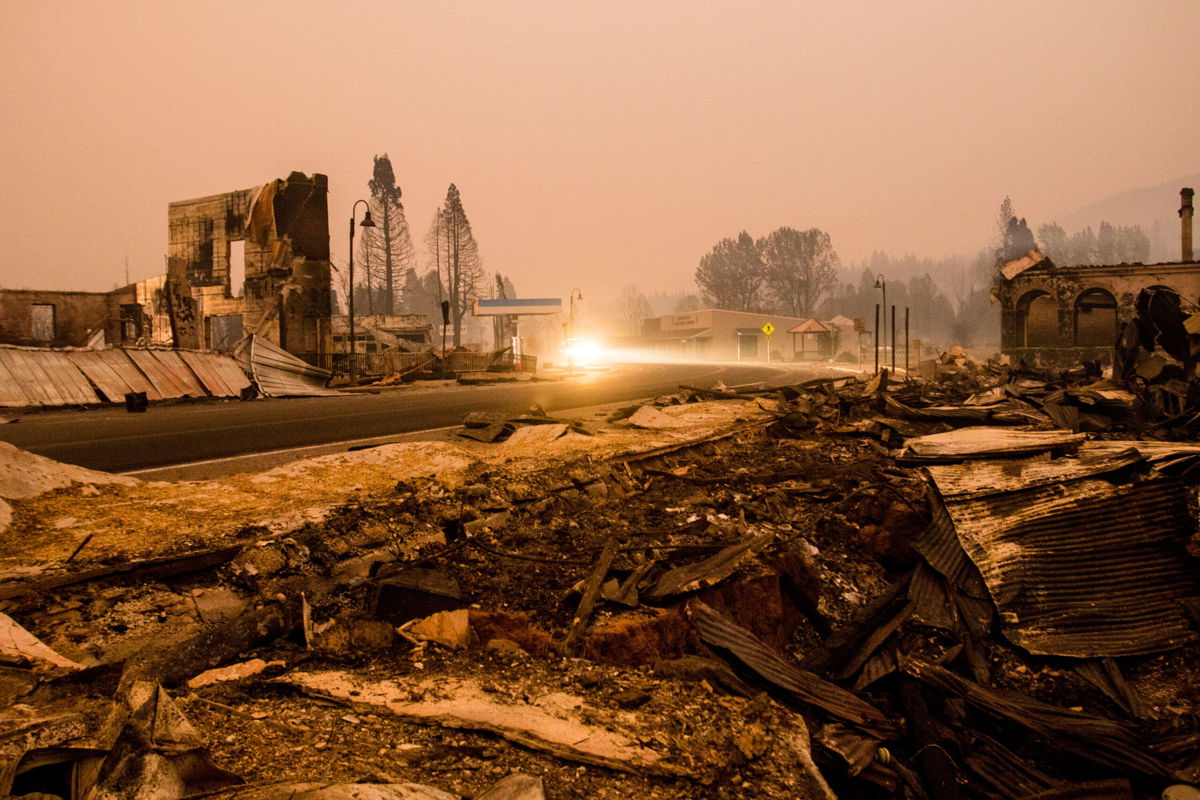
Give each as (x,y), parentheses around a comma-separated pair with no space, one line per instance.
(386,250)
(454,254)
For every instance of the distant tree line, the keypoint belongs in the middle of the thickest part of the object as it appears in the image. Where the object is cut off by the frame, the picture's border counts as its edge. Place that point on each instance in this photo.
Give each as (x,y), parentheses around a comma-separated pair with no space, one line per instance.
(789,271)
(1112,244)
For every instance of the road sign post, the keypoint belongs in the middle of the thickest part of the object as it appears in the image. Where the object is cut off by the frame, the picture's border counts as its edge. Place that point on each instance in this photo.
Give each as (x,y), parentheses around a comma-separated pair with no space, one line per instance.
(768,329)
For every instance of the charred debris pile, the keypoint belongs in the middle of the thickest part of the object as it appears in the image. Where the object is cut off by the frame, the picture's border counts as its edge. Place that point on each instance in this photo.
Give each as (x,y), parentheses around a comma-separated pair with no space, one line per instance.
(982,584)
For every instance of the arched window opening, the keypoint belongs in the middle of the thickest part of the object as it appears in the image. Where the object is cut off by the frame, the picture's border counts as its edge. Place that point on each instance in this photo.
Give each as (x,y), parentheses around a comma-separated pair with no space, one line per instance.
(1095,319)
(1037,318)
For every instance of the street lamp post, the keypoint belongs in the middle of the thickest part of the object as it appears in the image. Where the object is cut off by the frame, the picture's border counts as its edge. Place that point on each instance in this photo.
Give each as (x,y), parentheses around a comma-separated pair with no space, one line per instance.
(575,294)
(880,283)
(366,223)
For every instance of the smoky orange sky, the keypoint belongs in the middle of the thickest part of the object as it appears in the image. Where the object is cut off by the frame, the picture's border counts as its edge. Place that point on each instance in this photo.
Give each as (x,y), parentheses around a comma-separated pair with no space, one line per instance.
(596,144)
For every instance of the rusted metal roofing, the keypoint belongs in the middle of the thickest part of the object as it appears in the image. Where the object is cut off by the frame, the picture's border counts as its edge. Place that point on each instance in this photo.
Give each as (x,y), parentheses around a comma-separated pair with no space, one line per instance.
(168,373)
(1099,739)
(278,373)
(1081,566)
(980,442)
(1163,455)
(42,378)
(718,631)
(941,549)
(113,373)
(11,394)
(984,478)
(221,376)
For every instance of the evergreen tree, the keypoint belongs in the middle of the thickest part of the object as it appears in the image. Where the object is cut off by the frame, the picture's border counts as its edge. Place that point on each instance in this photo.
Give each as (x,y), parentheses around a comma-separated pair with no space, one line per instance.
(386,251)
(454,255)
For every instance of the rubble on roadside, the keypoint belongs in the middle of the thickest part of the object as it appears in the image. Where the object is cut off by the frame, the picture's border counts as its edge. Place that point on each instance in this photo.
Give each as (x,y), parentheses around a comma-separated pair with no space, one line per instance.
(844,588)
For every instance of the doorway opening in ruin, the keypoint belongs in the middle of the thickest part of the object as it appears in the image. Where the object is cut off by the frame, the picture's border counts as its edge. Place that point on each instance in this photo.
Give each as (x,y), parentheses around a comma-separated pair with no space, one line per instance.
(1095,319)
(1037,318)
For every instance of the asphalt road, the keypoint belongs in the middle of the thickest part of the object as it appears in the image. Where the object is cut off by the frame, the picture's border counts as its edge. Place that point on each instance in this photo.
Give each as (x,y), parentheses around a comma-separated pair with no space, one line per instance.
(116,441)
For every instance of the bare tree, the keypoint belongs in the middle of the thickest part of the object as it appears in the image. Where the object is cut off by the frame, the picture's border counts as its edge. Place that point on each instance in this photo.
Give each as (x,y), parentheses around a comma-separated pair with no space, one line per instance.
(801,268)
(635,309)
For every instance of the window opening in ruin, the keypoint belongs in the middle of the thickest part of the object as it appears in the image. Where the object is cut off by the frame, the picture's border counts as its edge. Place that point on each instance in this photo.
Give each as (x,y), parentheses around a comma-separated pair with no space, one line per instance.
(225,331)
(131,322)
(1095,319)
(41,326)
(237,268)
(1037,318)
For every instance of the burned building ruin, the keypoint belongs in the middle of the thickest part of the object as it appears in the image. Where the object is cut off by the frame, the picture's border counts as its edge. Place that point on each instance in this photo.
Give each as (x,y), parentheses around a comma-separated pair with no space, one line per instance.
(252,261)
(1062,315)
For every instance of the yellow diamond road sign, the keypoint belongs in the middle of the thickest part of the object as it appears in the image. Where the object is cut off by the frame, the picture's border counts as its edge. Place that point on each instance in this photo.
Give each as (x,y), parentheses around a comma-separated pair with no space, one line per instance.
(768,329)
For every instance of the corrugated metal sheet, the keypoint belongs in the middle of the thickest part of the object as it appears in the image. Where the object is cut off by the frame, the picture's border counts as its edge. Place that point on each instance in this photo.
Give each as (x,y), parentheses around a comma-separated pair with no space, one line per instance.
(933,600)
(992,477)
(1005,773)
(718,631)
(860,753)
(940,547)
(1164,455)
(1081,567)
(979,442)
(278,373)
(1099,739)
(220,375)
(168,374)
(12,395)
(44,378)
(113,373)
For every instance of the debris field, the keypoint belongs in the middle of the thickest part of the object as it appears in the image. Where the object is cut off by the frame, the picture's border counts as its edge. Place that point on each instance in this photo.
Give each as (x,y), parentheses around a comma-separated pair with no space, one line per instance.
(978,584)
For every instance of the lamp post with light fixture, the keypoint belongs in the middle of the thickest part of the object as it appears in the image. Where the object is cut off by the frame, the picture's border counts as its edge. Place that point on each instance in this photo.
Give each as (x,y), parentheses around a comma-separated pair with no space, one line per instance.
(366,223)
(880,283)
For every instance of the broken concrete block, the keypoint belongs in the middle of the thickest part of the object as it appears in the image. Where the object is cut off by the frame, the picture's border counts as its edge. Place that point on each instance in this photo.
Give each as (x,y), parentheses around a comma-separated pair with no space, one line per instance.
(448,628)
(533,435)
(217,603)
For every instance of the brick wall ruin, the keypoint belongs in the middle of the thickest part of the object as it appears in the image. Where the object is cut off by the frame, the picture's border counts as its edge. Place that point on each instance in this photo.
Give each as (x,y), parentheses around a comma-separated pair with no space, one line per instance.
(1062,315)
(282,290)
(1059,316)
